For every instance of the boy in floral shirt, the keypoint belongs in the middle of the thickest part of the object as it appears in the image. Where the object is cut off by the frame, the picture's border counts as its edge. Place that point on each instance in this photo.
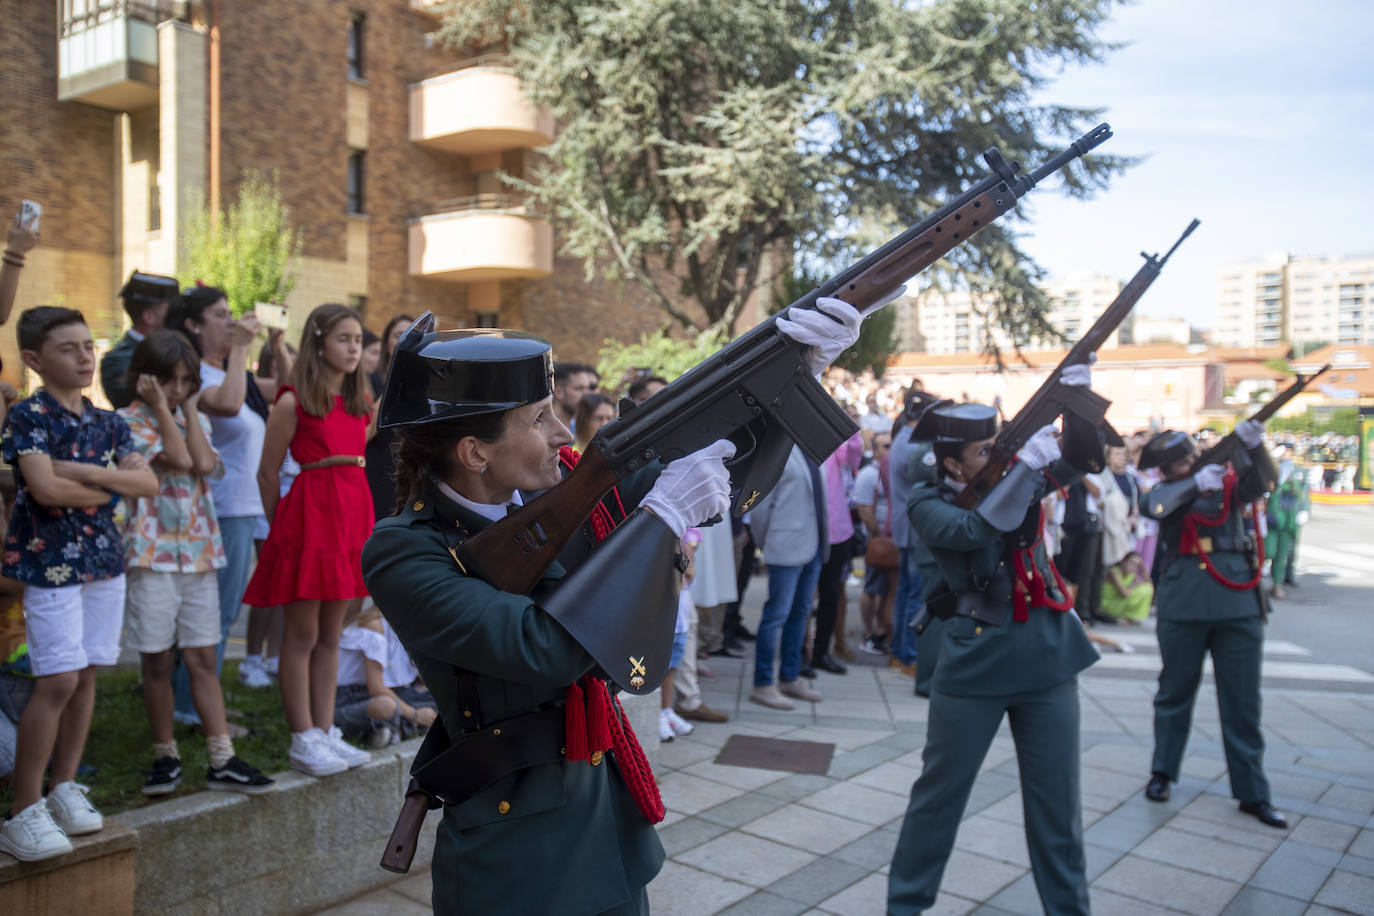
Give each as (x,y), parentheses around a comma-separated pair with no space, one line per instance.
(173,549)
(71,462)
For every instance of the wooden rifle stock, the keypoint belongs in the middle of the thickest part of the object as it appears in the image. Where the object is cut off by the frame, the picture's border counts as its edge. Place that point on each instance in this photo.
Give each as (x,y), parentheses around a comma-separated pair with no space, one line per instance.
(757,391)
(1222,451)
(400,848)
(1052,399)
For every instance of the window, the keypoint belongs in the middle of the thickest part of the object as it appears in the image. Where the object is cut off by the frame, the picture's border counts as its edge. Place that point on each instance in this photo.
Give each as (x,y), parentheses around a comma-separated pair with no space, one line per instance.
(358,304)
(355,46)
(486,320)
(356,174)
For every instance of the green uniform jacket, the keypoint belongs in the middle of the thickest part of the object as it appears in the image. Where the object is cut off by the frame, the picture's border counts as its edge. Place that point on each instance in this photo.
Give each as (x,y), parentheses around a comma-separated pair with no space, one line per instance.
(113,369)
(1186,590)
(1288,499)
(979,659)
(556,838)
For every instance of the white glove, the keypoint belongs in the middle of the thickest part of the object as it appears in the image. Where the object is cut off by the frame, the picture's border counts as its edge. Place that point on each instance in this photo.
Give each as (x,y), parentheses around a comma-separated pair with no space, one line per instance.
(1250,432)
(1209,478)
(693,488)
(1079,375)
(1302,517)
(830,336)
(1040,449)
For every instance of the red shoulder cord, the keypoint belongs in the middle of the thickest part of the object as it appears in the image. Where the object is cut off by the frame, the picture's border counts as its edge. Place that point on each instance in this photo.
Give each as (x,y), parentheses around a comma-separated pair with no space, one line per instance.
(1030,590)
(1188,541)
(594,721)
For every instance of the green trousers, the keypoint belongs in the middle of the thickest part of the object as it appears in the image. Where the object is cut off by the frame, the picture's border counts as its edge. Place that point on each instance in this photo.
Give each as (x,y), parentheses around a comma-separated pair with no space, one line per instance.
(1044,725)
(1282,548)
(928,655)
(1236,647)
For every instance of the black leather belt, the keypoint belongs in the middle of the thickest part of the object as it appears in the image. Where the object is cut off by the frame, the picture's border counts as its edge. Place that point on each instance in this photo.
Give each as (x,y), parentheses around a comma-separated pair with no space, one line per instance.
(453,773)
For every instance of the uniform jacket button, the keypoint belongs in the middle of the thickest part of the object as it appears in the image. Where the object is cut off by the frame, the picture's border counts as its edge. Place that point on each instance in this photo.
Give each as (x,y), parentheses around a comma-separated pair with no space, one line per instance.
(596,758)
(503,807)
(419,504)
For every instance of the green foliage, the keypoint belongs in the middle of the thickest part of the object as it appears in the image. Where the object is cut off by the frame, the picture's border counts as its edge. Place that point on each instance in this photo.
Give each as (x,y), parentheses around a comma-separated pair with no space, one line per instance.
(698,139)
(1344,421)
(244,250)
(663,354)
(1279,365)
(120,745)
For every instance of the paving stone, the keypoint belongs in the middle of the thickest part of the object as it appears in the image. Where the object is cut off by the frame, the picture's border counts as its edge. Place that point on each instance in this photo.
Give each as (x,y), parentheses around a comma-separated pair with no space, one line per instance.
(808,829)
(860,803)
(1099,859)
(1293,786)
(1020,896)
(872,850)
(978,877)
(743,809)
(748,859)
(889,777)
(1106,903)
(763,903)
(1117,786)
(1237,834)
(1007,809)
(1348,891)
(1252,901)
(989,789)
(861,760)
(688,833)
(1357,864)
(692,794)
(994,839)
(1167,885)
(1202,854)
(797,786)
(683,752)
(817,881)
(417,887)
(1128,759)
(1359,801)
(1296,869)
(682,891)
(747,778)
(382,903)
(1118,831)
(1319,831)
(844,739)
(863,898)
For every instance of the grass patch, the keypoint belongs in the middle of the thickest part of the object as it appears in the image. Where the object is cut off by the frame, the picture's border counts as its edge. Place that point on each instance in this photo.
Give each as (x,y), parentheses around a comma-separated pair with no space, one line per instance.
(120,743)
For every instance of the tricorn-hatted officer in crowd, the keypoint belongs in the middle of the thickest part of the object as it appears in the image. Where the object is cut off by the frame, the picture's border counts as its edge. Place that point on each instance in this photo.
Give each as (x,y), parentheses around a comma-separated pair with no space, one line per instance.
(1210,600)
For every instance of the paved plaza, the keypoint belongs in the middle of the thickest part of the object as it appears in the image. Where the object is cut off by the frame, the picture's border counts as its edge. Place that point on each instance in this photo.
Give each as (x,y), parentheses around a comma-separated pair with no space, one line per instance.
(754,841)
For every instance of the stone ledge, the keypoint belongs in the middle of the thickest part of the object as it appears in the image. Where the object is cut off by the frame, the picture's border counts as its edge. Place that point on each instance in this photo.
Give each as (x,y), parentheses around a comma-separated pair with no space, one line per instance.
(95,878)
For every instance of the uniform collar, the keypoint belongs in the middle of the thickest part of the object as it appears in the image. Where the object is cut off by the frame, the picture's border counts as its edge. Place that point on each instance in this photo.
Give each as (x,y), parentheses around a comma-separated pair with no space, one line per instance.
(490,511)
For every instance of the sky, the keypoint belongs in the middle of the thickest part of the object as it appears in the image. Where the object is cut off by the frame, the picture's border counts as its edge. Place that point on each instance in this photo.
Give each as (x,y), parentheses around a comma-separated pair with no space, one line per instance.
(1255,117)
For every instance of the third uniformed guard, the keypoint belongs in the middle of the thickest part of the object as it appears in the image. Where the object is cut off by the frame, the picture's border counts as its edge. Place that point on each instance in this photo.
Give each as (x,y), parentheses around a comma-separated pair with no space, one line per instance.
(1210,600)
(1010,647)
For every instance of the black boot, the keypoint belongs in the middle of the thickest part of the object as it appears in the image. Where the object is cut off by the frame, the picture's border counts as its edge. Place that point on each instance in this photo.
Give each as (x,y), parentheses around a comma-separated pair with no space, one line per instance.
(1265,813)
(827,662)
(1157,790)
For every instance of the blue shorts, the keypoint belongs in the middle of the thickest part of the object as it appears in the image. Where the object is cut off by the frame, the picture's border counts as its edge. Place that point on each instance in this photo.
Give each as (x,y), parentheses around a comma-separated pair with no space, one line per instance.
(877,581)
(679,649)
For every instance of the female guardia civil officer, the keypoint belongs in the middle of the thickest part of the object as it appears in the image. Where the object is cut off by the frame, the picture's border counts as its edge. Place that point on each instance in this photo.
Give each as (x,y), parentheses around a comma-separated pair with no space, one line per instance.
(1010,647)
(537,818)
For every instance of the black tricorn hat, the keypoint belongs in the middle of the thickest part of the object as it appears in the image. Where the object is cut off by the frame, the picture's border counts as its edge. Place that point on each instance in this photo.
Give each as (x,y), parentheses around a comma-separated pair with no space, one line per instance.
(142,287)
(1166,448)
(448,375)
(918,402)
(950,422)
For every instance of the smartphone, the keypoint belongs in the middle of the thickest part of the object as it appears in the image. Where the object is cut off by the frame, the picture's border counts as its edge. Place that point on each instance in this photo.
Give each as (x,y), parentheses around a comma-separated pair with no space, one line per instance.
(30,212)
(270,315)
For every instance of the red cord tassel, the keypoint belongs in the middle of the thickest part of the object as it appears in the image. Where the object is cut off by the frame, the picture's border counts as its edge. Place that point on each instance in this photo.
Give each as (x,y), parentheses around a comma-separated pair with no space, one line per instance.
(575,725)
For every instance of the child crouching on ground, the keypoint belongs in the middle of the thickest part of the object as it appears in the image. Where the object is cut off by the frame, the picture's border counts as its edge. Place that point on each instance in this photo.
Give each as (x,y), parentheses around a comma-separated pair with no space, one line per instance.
(380,698)
(71,462)
(173,547)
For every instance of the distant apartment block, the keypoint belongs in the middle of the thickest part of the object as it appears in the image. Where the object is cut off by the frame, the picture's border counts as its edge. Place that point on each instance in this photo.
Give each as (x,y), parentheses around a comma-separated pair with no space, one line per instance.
(1298,300)
(960,322)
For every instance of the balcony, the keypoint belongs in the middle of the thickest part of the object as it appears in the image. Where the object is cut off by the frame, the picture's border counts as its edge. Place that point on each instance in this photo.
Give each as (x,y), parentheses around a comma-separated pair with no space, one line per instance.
(479,108)
(489,237)
(107,52)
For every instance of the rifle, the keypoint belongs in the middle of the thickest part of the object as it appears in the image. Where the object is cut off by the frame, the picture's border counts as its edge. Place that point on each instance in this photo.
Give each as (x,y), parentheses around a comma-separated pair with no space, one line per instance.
(1223,450)
(757,391)
(1052,399)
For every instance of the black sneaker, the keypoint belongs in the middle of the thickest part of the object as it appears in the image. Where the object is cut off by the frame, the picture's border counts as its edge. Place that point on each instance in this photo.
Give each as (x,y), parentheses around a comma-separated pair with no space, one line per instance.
(237,776)
(165,777)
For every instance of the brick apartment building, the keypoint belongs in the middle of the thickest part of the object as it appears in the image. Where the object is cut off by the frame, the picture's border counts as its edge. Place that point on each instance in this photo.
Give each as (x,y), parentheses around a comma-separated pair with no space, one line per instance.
(386,145)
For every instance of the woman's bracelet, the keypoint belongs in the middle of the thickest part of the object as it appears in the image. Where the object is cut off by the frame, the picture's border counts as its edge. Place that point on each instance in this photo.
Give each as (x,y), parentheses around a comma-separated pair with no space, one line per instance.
(13,257)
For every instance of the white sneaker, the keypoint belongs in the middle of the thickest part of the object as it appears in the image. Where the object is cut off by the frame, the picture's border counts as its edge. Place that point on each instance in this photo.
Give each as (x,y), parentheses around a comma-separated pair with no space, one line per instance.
(665,728)
(381,736)
(72,811)
(769,696)
(354,757)
(799,690)
(253,674)
(681,727)
(269,665)
(311,755)
(32,835)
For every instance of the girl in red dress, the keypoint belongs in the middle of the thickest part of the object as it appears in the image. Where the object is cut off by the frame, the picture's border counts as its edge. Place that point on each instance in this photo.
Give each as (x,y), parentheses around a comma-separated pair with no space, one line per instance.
(311,561)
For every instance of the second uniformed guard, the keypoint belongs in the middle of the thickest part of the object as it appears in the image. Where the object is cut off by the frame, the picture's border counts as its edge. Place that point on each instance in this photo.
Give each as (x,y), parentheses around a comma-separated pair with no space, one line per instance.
(1210,600)
(548,804)
(1010,647)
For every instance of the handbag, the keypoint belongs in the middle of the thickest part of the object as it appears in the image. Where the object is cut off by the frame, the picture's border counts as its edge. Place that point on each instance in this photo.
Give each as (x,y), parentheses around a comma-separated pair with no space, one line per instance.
(881,552)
